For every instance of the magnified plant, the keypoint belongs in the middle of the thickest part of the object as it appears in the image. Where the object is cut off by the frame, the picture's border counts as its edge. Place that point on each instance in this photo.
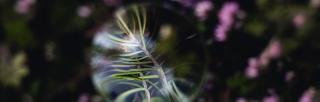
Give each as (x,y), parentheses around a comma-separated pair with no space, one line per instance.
(126,61)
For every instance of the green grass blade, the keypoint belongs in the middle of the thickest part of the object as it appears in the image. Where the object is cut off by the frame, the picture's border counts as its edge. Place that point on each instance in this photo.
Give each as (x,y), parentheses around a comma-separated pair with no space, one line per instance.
(130,84)
(124,95)
(135,70)
(121,66)
(136,63)
(149,77)
(133,59)
(117,39)
(131,54)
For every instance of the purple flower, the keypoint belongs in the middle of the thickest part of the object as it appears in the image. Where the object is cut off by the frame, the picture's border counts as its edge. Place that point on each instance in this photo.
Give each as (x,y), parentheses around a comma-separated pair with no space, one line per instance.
(84,98)
(253,62)
(226,13)
(299,20)
(226,20)
(84,11)
(272,98)
(307,95)
(187,3)
(264,59)
(112,2)
(202,8)
(272,51)
(241,99)
(24,6)
(289,76)
(252,70)
(220,33)
(315,3)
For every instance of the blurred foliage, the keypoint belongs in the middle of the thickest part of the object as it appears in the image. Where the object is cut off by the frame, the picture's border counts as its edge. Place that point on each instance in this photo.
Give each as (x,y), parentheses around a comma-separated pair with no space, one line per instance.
(13,71)
(241,84)
(17,32)
(256,27)
(167,46)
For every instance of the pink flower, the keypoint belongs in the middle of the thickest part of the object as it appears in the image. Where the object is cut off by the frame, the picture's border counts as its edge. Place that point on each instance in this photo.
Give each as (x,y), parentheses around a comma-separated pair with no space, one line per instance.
(264,59)
(299,20)
(272,98)
(202,8)
(307,95)
(84,11)
(241,99)
(289,76)
(23,6)
(252,70)
(226,13)
(220,33)
(112,2)
(84,98)
(226,19)
(187,3)
(253,62)
(315,3)
(274,50)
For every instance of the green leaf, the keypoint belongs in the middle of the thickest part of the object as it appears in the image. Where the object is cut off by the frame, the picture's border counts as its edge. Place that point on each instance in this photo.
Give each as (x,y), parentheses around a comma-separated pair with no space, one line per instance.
(121,65)
(155,99)
(128,78)
(130,44)
(126,73)
(131,84)
(137,63)
(117,39)
(143,69)
(131,54)
(149,76)
(135,70)
(133,59)
(124,95)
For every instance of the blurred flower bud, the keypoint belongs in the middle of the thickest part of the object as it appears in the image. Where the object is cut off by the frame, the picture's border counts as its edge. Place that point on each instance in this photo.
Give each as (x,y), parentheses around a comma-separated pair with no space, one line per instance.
(23,6)
(299,20)
(315,3)
(202,8)
(226,20)
(84,11)
(112,2)
(289,76)
(241,99)
(308,95)
(252,69)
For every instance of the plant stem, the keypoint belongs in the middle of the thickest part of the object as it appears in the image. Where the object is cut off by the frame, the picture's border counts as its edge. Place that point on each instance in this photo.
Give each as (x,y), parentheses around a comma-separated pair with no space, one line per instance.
(146,91)
(162,75)
(145,86)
